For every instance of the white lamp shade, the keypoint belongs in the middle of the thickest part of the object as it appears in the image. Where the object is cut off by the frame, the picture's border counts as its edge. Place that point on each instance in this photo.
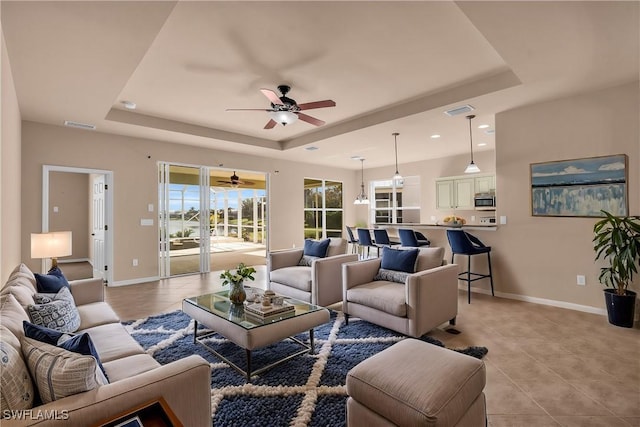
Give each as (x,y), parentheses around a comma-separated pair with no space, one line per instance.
(51,245)
(472,168)
(283,117)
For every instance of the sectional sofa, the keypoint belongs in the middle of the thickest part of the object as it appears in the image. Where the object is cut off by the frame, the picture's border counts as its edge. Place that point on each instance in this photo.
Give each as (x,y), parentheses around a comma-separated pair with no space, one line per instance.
(134,377)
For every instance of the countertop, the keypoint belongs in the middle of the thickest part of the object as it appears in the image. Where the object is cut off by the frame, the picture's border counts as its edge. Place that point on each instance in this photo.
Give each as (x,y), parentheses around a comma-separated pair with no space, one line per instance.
(487,227)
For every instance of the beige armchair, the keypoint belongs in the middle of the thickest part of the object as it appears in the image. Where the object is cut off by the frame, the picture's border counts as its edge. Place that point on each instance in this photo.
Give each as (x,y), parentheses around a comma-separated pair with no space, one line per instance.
(319,284)
(427,299)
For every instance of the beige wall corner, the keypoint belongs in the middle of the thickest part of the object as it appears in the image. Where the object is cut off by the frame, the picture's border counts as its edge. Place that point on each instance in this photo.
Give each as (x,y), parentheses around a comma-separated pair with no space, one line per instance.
(10,161)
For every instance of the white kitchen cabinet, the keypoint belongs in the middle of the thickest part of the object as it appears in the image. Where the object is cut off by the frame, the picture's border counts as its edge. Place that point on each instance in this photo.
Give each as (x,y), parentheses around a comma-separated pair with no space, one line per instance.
(457,192)
(444,194)
(485,184)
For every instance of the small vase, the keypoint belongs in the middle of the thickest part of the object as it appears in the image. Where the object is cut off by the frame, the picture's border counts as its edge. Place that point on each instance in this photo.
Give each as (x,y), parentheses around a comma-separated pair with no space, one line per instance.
(237,294)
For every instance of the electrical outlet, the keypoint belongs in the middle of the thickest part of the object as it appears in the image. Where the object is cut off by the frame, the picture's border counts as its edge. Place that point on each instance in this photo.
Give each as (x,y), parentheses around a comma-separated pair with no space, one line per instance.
(433,218)
(581,280)
(135,262)
(473,218)
(503,219)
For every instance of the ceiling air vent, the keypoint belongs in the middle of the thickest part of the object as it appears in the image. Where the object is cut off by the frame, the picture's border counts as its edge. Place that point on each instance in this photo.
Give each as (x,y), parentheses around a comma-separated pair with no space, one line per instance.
(79,125)
(464,109)
(490,131)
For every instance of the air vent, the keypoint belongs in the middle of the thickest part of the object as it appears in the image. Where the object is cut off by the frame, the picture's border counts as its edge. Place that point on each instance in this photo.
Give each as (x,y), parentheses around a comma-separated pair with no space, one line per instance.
(490,131)
(459,110)
(311,148)
(79,125)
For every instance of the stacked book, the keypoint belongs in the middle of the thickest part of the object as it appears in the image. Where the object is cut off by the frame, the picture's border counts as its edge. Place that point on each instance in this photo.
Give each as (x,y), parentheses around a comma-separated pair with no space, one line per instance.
(259,310)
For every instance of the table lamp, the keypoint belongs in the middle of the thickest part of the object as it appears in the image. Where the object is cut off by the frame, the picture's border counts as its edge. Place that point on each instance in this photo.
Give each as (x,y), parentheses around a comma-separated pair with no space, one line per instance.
(51,245)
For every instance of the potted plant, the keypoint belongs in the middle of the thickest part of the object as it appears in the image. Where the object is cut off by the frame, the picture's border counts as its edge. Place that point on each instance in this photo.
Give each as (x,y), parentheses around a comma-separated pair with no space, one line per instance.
(617,241)
(235,278)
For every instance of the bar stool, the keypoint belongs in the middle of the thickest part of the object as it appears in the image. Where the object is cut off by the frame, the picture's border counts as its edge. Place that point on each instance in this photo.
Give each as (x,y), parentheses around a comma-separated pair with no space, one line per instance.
(352,240)
(364,240)
(409,238)
(463,243)
(381,238)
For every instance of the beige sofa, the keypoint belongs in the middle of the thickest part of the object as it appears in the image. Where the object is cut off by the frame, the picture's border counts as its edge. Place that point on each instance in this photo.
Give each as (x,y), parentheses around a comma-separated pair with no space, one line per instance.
(134,376)
(319,284)
(427,299)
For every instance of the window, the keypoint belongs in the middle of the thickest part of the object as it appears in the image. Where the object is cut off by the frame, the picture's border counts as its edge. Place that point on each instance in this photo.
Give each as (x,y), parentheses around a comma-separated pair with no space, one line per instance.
(322,208)
(396,202)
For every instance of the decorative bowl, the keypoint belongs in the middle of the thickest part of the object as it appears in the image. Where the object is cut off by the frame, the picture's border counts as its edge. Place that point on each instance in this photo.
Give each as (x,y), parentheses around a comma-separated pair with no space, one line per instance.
(452,224)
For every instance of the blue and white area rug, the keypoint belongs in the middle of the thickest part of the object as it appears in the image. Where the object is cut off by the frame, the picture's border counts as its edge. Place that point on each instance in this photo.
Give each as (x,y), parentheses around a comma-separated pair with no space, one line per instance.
(308,390)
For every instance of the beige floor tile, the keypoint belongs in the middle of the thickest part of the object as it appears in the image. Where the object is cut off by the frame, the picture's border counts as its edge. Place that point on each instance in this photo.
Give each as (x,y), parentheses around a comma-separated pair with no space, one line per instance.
(632,421)
(521,421)
(591,421)
(620,398)
(505,398)
(561,398)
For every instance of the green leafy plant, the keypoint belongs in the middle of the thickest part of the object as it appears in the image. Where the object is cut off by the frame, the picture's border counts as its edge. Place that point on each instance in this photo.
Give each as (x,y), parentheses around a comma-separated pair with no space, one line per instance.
(241,273)
(617,240)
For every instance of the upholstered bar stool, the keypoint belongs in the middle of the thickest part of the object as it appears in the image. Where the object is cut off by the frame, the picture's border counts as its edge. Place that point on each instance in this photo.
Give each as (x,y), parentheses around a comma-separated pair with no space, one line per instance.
(352,240)
(410,238)
(365,241)
(463,243)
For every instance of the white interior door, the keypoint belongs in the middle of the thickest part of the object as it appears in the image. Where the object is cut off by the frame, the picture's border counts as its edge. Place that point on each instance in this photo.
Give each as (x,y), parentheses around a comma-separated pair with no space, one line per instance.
(98,226)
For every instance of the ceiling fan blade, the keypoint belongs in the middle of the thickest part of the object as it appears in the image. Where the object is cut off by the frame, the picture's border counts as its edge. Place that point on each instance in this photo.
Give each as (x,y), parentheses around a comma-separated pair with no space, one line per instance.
(270,124)
(309,119)
(271,95)
(247,109)
(317,104)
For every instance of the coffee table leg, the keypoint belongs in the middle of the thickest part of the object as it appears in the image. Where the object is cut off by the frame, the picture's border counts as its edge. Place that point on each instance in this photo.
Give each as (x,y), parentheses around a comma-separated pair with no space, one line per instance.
(195,330)
(248,365)
(312,350)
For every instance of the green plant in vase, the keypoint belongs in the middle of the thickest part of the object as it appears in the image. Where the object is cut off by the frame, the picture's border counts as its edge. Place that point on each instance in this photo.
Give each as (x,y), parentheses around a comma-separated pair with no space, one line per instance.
(235,278)
(617,241)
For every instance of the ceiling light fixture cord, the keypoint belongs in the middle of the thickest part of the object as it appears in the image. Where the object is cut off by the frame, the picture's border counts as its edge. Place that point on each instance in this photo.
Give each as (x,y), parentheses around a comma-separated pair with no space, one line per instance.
(362,197)
(397,175)
(471,167)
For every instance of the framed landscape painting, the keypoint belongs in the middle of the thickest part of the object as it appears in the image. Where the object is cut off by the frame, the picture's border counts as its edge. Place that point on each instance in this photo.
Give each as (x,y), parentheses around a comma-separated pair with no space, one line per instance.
(580,187)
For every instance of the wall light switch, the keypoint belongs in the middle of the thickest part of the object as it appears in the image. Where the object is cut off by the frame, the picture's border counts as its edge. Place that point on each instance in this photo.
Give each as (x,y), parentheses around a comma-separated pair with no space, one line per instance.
(473,218)
(433,218)
(581,280)
(503,219)
(150,207)
(135,262)
(55,209)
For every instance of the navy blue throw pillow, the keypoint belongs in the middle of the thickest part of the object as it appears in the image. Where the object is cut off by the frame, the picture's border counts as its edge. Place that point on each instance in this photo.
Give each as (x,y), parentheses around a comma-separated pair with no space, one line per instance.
(51,282)
(399,260)
(317,248)
(80,344)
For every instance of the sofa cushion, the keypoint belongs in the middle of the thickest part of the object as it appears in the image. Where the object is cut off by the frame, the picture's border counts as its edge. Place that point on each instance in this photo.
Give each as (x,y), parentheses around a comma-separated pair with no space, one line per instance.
(16,392)
(381,295)
(316,248)
(294,277)
(429,258)
(22,271)
(391,276)
(129,366)
(58,372)
(51,282)
(60,314)
(399,259)
(12,315)
(112,341)
(22,292)
(96,314)
(81,344)
(337,246)
(307,260)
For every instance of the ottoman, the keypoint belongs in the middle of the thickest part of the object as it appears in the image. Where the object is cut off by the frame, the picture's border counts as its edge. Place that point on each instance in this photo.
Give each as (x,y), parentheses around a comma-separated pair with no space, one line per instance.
(413,383)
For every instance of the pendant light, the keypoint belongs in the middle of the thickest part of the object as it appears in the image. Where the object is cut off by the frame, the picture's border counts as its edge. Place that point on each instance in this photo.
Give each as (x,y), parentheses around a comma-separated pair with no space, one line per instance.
(362,197)
(396,176)
(471,167)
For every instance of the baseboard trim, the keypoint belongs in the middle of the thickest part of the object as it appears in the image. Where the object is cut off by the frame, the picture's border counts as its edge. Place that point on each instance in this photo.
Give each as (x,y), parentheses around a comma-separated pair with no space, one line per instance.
(541,301)
(135,281)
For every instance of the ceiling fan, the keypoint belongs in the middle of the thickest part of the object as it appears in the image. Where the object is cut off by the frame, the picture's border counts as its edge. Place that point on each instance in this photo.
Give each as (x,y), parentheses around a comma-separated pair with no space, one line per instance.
(286,110)
(234,180)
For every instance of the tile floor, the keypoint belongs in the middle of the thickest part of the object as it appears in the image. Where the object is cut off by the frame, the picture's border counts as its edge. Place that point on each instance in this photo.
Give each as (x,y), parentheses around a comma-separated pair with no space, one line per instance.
(546,366)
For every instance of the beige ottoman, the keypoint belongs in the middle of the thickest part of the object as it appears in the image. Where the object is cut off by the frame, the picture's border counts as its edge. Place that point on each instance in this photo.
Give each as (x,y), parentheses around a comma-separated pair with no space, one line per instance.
(413,383)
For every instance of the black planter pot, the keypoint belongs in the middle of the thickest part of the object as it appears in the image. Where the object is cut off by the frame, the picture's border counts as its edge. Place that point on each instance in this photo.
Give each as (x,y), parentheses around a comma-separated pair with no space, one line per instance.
(620,308)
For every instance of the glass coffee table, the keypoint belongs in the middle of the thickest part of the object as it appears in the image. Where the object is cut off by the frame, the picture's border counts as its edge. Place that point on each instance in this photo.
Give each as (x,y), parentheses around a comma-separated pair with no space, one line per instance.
(250,332)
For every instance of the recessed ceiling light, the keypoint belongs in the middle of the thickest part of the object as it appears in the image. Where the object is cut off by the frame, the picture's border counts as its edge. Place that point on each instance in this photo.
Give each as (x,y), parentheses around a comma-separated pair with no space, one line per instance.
(435,136)
(311,148)
(483,126)
(482,144)
(129,105)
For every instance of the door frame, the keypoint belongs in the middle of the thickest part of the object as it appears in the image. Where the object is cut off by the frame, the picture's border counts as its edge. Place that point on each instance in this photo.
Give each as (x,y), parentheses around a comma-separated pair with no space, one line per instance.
(108,206)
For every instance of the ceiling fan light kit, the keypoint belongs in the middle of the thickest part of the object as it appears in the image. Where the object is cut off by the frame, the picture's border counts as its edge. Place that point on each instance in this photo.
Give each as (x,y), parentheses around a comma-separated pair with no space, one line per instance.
(396,176)
(471,167)
(362,198)
(286,110)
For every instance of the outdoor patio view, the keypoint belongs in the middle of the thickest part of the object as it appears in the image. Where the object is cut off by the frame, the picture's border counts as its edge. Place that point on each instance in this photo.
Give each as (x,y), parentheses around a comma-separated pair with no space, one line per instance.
(322,209)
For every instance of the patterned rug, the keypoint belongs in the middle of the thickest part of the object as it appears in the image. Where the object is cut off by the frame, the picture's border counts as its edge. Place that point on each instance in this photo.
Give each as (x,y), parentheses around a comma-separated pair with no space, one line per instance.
(305,391)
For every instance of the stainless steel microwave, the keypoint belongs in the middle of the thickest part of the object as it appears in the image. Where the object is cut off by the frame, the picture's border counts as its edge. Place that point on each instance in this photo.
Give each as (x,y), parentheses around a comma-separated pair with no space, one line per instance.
(485,202)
